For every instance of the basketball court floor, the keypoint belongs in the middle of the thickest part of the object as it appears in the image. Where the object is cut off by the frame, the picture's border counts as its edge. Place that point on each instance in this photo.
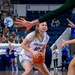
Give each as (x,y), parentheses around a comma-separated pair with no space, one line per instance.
(34,73)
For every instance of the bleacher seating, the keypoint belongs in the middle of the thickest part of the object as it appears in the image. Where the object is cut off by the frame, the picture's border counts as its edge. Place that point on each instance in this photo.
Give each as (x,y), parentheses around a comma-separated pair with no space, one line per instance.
(12,28)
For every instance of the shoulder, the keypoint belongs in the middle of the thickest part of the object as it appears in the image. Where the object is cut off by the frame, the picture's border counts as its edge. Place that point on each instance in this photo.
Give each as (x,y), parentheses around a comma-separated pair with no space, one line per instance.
(31,36)
(48,36)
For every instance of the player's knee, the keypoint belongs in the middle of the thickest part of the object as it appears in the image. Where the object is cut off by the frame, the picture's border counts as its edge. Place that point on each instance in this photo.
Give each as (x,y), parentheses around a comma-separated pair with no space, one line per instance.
(29,71)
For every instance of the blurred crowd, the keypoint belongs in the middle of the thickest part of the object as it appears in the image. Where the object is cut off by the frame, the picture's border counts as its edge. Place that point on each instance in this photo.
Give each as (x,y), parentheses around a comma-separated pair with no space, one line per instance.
(5,34)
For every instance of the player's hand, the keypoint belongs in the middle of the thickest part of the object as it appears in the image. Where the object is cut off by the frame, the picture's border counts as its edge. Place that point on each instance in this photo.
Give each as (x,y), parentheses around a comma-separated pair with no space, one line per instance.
(36,53)
(63,44)
(70,23)
(23,23)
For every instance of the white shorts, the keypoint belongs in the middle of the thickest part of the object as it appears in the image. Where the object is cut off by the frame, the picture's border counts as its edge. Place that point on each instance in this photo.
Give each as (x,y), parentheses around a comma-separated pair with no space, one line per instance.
(23,58)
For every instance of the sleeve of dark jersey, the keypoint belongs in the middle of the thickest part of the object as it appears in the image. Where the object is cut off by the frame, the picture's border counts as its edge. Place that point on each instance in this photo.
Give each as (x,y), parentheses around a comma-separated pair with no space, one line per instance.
(67,6)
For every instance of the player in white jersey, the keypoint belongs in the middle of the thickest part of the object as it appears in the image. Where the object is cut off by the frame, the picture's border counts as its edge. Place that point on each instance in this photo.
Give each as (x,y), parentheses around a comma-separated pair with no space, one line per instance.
(33,43)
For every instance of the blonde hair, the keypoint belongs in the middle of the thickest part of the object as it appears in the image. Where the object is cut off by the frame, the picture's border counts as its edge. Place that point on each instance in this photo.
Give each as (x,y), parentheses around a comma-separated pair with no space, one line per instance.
(37,33)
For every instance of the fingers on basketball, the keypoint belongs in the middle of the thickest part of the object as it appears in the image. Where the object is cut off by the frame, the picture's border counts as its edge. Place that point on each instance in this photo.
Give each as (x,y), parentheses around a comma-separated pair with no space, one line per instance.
(40,59)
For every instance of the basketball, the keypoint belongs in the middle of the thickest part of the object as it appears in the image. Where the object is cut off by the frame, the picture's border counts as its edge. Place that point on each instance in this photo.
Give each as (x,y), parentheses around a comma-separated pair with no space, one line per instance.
(40,59)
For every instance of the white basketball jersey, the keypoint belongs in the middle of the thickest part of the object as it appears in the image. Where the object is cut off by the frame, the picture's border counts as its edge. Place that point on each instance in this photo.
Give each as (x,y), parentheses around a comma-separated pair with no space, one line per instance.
(35,44)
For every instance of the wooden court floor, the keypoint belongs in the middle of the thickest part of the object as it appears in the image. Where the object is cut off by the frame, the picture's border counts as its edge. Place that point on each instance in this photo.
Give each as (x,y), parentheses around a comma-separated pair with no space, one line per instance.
(35,73)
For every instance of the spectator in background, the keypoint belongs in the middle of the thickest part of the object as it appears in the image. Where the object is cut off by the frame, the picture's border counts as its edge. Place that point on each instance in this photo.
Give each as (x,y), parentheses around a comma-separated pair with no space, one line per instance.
(4,14)
(8,61)
(11,39)
(64,56)
(21,40)
(55,53)
(13,59)
(13,35)
(55,23)
(6,5)
(4,39)
(48,57)
(6,31)
(10,53)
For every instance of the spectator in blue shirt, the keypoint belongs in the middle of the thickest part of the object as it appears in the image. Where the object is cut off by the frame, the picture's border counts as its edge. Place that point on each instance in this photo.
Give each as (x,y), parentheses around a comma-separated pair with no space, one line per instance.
(64,55)
(8,58)
(10,53)
(55,23)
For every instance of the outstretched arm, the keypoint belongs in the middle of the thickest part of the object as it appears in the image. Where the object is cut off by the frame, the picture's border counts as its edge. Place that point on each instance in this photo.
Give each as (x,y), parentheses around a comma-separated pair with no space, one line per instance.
(64,43)
(67,6)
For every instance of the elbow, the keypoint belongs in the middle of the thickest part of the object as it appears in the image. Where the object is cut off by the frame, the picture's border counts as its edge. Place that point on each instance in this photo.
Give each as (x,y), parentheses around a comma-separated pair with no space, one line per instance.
(23,46)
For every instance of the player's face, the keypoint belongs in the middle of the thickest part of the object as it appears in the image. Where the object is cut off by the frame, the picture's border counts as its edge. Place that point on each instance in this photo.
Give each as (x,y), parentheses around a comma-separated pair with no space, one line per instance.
(43,27)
